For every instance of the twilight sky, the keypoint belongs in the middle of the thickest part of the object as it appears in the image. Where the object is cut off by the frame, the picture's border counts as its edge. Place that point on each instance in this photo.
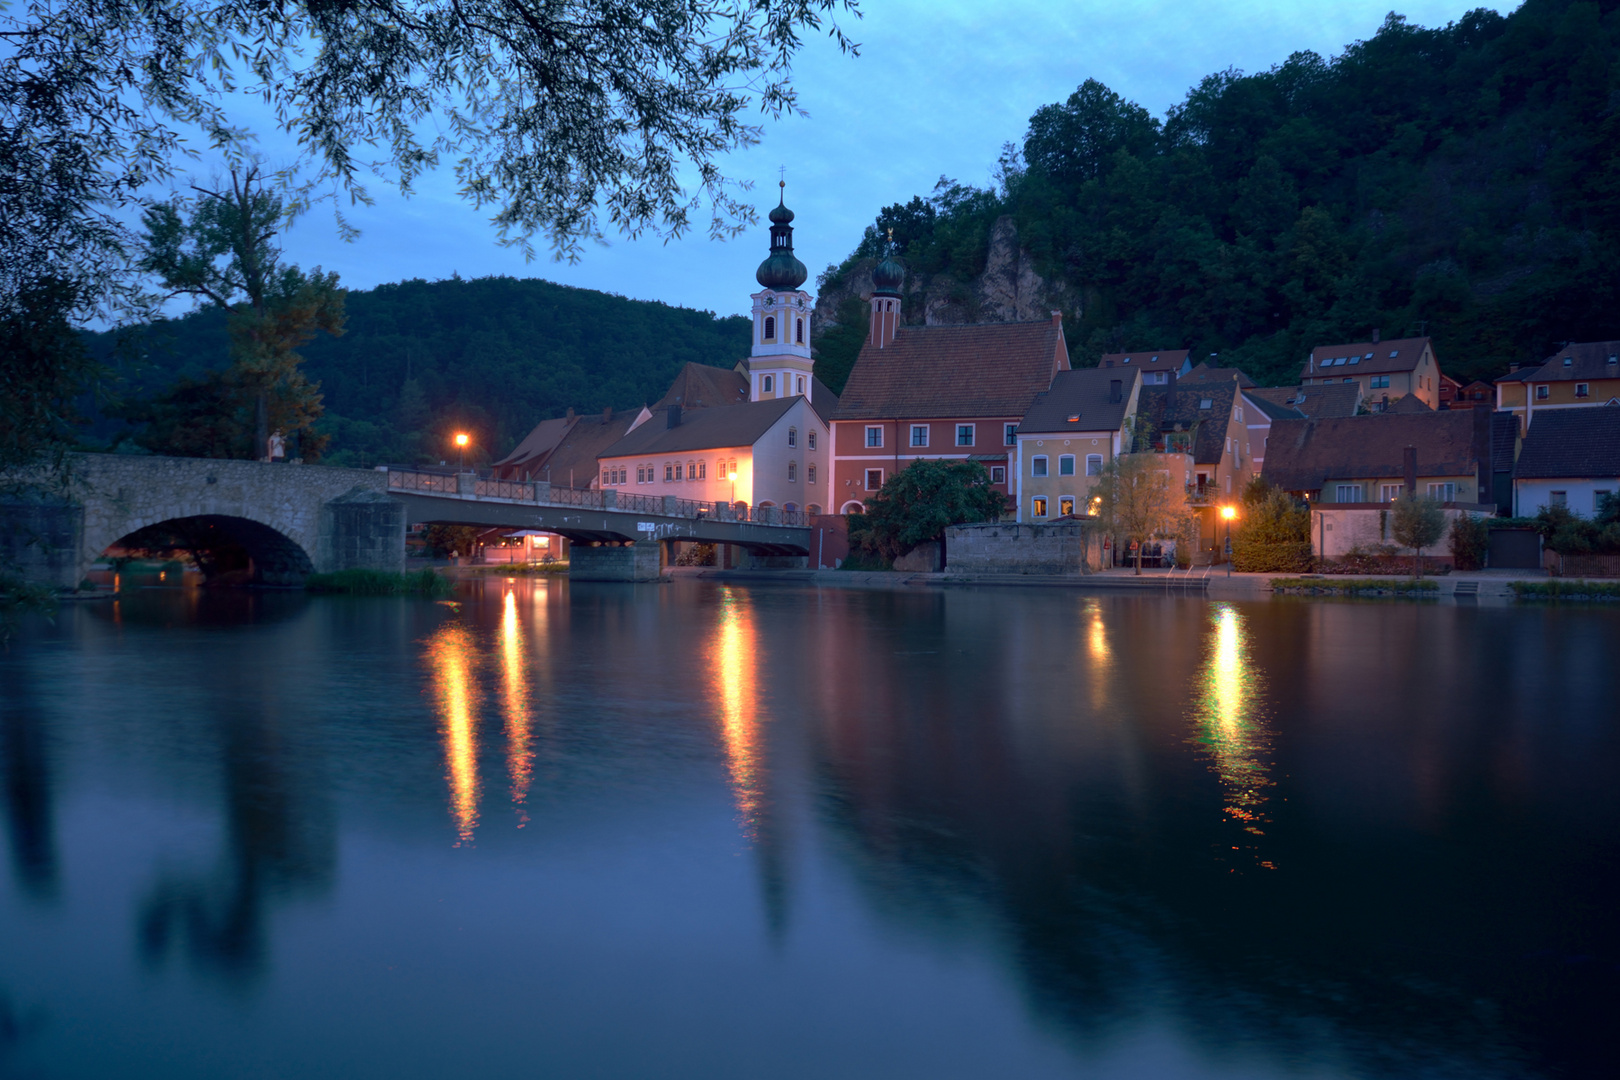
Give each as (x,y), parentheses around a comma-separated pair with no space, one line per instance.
(938,87)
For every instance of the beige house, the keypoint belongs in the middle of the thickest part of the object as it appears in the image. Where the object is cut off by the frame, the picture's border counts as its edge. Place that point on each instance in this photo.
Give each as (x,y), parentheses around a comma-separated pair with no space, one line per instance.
(1576,376)
(1384,370)
(1067,437)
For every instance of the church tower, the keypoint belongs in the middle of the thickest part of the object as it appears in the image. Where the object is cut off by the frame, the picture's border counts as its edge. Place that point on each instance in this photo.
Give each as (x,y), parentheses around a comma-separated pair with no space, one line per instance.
(779,364)
(886,281)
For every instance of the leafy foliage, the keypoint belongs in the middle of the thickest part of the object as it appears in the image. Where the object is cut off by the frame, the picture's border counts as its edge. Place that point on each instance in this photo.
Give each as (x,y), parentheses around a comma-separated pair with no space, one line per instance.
(1273,533)
(1470,542)
(919,502)
(1460,181)
(1137,501)
(1570,534)
(1416,522)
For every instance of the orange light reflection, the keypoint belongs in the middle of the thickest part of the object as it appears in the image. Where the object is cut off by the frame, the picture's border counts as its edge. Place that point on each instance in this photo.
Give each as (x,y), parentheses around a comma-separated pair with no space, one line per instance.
(733,664)
(452,659)
(1230,724)
(515,682)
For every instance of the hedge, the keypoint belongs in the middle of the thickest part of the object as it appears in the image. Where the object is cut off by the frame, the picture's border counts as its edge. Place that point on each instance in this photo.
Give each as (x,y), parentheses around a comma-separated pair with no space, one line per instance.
(1289,557)
(1355,587)
(1565,589)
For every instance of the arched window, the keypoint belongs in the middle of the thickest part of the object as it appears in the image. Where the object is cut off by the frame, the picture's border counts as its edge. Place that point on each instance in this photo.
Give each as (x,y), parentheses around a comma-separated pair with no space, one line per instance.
(793,436)
(703,470)
(768,384)
(770,328)
(790,507)
(801,384)
(800,335)
(853,507)
(813,508)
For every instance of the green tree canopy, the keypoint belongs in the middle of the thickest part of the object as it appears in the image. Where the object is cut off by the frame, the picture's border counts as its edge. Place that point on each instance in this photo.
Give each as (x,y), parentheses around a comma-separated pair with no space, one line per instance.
(919,502)
(1416,522)
(1136,499)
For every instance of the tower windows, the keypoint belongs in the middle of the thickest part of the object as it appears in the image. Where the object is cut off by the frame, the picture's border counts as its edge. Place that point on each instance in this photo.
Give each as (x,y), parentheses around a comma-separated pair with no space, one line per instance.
(799,334)
(767,383)
(801,384)
(770,328)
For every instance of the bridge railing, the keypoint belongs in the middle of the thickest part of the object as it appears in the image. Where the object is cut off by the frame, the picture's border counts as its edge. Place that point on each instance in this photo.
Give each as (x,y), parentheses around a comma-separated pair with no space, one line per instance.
(539,492)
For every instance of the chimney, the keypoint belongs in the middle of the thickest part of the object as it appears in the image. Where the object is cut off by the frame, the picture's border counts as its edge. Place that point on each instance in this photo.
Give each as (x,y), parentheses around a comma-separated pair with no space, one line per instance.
(674,416)
(1411,470)
(570,412)
(1482,452)
(1513,367)
(885,320)
(1375,335)
(1114,394)
(1057,318)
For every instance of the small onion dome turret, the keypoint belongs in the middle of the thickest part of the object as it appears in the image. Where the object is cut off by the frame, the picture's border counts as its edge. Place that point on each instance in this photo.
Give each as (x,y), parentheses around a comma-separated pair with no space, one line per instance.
(781,270)
(889,275)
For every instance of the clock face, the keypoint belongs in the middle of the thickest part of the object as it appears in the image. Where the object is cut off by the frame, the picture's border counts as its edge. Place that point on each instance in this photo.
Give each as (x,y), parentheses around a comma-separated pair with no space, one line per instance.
(770,301)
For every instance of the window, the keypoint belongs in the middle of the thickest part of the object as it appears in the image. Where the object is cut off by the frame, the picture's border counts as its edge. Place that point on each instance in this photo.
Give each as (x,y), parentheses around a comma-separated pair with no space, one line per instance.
(1597,500)
(1238,414)
(1582,389)
(1443,492)
(793,436)
(874,436)
(669,472)
(1009,434)
(812,436)
(770,328)
(874,479)
(1558,498)
(1541,392)
(703,470)
(1066,465)
(793,472)
(964,434)
(1156,378)
(998,474)
(1206,403)
(1346,493)
(678,473)
(799,337)
(1037,507)
(1066,506)
(1390,492)
(801,384)
(1093,464)
(919,434)
(768,384)
(810,474)
(1037,465)
(607,477)
(641,475)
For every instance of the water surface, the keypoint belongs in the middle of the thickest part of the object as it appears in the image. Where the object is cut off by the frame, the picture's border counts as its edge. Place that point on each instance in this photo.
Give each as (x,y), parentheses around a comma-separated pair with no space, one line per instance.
(699,830)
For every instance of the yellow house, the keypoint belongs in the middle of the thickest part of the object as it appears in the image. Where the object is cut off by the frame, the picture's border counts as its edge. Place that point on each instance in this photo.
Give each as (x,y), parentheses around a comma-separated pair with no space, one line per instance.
(1069,434)
(1385,370)
(1575,376)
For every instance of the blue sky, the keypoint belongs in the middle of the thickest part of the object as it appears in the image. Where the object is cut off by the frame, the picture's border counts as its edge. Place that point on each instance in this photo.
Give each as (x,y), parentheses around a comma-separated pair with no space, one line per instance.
(938,87)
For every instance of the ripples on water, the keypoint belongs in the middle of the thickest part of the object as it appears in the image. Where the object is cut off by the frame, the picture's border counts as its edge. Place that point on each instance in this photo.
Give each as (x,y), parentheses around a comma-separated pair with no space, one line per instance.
(709,831)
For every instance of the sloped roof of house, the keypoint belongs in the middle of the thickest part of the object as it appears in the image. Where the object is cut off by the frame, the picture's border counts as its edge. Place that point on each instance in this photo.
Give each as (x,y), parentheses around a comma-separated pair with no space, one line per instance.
(1583,442)
(1081,400)
(1339,399)
(539,442)
(1146,359)
(714,428)
(1202,408)
(1582,361)
(1367,357)
(703,386)
(1274,410)
(1408,403)
(1302,454)
(929,372)
(1504,441)
(1202,372)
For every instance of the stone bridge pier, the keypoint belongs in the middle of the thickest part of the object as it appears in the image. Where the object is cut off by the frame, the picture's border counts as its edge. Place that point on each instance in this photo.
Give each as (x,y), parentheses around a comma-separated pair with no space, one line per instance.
(271,524)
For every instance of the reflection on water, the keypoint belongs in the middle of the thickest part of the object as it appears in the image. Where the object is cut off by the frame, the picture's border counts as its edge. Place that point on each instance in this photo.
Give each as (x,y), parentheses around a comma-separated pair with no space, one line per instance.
(1230,720)
(452,661)
(733,670)
(515,703)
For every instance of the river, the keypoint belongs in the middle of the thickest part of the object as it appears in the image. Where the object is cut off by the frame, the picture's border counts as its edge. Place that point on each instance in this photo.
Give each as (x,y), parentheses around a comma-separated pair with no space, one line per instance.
(713,831)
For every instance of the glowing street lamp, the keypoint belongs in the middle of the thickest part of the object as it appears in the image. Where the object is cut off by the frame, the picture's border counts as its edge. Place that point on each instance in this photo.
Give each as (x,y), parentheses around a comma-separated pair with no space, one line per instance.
(732,476)
(1229,512)
(461,451)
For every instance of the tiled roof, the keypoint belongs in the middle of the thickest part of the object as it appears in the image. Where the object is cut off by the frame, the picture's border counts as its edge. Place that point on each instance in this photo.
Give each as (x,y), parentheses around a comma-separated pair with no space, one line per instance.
(1204,373)
(575,457)
(1273,409)
(1408,403)
(1202,408)
(1301,455)
(539,442)
(701,429)
(1079,401)
(1504,441)
(1340,399)
(1586,361)
(1580,442)
(822,399)
(1522,375)
(1364,357)
(932,372)
(702,386)
(1147,359)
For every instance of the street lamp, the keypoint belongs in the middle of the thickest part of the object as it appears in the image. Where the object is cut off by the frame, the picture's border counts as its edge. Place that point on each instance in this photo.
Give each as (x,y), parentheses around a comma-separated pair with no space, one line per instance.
(461,451)
(732,476)
(1228,512)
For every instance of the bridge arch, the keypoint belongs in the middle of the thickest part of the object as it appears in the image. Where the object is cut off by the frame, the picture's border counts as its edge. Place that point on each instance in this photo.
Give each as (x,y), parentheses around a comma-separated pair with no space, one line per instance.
(229,549)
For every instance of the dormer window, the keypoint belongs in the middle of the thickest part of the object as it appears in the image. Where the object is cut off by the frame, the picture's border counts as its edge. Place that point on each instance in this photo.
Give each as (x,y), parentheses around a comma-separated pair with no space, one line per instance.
(1206,403)
(1568,360)
(1393,353)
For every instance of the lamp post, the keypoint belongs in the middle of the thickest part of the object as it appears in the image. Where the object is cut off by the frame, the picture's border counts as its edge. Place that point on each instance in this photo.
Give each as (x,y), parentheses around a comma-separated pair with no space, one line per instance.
(1228,512)
(732,476)
(461,451)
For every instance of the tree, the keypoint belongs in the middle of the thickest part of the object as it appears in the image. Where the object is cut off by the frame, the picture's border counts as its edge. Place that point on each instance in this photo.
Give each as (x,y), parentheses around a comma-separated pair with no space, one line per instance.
(565,119)
(1470,541)
(221,251)
(919,502)
(1274,531)
(1417,522)
(1136,499)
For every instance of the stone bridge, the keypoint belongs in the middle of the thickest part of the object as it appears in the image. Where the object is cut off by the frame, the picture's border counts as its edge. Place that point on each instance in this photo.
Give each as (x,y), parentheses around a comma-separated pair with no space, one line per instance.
(274,524)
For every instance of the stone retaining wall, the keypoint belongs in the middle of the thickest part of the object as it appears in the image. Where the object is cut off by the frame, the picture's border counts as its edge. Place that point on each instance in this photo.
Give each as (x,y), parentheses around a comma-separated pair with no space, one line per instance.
(1069,547)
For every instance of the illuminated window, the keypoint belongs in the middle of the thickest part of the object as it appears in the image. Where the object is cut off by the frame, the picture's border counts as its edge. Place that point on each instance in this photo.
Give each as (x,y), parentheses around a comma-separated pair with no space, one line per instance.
(1390,492)
(1066,506)
(1037,507)
(1066,465)
(1037,465)
(919,434)
(874,436)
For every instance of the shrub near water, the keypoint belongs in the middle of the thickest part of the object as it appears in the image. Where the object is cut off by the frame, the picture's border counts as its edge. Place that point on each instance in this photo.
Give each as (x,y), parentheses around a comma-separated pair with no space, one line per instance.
(380,583)
(1564,589)
(1274,535)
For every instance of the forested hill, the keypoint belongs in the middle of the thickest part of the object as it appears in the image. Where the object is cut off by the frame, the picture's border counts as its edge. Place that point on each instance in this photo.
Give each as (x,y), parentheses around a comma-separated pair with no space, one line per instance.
(1461,181)
(493,356)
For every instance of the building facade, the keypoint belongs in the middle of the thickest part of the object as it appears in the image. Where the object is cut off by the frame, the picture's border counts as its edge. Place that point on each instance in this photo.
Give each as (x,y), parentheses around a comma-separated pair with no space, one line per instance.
(1384,370)
(1067,438)
(1577,376)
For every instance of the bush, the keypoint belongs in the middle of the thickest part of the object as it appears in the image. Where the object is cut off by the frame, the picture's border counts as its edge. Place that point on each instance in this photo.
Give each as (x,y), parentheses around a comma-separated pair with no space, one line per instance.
(1370,587)
(1556,589)
(1275,534)
(380,583)
(1253,557)
(1470,540)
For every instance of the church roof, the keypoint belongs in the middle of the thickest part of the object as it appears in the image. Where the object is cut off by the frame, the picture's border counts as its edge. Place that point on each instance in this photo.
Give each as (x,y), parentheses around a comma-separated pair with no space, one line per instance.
(928,372)
(702,386)
(715,428)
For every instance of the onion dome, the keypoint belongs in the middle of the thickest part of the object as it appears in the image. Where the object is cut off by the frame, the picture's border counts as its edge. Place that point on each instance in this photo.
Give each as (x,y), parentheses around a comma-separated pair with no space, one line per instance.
(781,270)
(890,273)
